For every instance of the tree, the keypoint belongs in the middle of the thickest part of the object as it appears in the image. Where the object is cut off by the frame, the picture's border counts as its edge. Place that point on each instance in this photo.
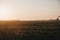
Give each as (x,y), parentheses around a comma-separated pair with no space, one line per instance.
(58,18)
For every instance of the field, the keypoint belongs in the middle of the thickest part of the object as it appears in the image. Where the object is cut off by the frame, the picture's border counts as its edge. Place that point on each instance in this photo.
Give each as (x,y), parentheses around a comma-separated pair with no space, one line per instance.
(29,30)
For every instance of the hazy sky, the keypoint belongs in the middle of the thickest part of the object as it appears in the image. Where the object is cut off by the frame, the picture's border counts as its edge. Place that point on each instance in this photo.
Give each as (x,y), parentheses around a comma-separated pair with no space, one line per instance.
(30,9)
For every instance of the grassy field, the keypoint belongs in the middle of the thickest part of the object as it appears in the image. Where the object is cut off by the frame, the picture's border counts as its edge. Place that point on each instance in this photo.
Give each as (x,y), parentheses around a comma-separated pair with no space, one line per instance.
(29,30)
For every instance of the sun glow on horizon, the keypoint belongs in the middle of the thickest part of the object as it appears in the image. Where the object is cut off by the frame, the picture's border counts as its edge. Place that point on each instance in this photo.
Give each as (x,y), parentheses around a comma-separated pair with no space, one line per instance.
(29,10)
(3,13)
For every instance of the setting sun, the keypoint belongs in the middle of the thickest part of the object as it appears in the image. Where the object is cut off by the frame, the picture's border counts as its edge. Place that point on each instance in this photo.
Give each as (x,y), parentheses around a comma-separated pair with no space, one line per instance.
(3,13)
(29,10)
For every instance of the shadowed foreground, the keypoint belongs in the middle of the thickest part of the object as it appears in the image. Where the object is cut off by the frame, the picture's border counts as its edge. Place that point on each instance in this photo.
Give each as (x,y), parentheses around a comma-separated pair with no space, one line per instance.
(29,30)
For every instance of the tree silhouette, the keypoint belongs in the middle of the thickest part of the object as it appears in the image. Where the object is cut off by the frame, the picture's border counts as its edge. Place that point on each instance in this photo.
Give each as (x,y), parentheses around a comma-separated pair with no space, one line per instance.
(58,18)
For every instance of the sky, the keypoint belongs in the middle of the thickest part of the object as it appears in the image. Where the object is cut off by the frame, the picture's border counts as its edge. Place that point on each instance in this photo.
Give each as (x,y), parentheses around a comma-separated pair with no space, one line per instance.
(29,9)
